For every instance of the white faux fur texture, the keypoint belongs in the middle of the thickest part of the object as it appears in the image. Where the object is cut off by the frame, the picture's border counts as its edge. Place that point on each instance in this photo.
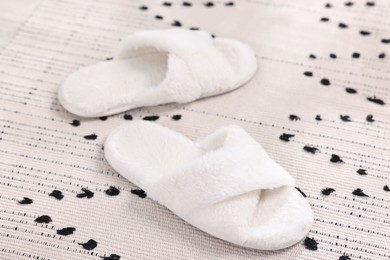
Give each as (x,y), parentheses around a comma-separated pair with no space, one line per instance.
(157,67)
(224,184)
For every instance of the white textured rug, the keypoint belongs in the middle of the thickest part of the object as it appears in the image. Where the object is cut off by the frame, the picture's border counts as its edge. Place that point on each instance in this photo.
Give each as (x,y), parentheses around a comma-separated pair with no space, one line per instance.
(322,84)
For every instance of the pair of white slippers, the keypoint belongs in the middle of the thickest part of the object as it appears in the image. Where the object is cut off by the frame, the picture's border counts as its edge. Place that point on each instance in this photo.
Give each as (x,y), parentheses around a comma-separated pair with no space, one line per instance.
(224,184)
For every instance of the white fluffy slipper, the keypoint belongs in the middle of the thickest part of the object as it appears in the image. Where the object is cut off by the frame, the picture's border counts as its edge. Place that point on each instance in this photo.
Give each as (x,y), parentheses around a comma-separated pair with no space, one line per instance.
(157,67)
(224,184)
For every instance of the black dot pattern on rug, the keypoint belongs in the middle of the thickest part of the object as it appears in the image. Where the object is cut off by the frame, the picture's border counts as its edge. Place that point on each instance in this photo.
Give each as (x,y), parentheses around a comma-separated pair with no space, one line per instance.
(344,257)
(318,118)
(343,25)
(128,117)
(301,192)
(365,33)
(229,4)
(167,4)
(209,4)
(362,171)
(43,219)
(310,243)
(151,118)
(75,123)
(176,23)
(294,117)
(140,193)
(333,56)
(327,191)
(90,137)
(348,4)
(103,118)
(85,193)
(308,73)
(351,90)
(285,137)
(370,4)
(188,4)
(143,8)
(176,117)
(325,82)
(385,41)
(376,100)
(370,118)
(328,5)
(66,231)
(360,193)
(324,19)
(312,56)
(110,58)
(25,201)
(111,257)
(310,149)
(386,188)
(345,118)
(89,245)
(382,55)
(336,159)
(57,194)
(112,191)
(159,17)
(356,55)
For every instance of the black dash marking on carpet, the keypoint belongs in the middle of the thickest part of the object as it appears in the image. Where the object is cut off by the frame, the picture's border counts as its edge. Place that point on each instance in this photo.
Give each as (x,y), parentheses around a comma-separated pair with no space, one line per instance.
(110,58)
(344,257)
(294,117)
(176,117)
(86,193)
(345,118)
(385,41)
(57,194)
(351,90)
(333,56)
(348,4)
(140,193)
(229,4)
(286,137)
(355,55)
(360,193)
(187,4)
(361,172)
(343,25)
(386,188)
(103,118)
(209,4)
(328,5)
(194,28)
(301,192)
(382,55)
(370,118)
(310,149)
(143,8)
(66,231)
(176,23)
(365,33)
(111,257)
(325,82)
(310,243)
(167,4)
(324,19)
(327,191)
(25,201)
(90,137)
(75,123)
(370,4)
(336,159)
(112,191)
(43,219)
(128,117)
(318,118)
(308,73)
(90,245)
(151,118)
(159,17)
(312,56)
(376,100)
